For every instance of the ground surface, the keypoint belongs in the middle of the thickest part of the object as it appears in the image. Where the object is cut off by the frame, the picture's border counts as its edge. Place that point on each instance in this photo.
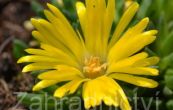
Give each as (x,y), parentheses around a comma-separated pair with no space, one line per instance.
(13,14)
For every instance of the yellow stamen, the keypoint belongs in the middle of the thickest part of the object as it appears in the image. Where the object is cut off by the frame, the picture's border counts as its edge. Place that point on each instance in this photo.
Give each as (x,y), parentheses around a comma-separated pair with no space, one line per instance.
(94,67)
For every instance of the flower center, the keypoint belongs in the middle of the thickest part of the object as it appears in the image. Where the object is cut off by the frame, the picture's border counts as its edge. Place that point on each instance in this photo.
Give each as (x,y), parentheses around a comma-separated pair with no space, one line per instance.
(93,67)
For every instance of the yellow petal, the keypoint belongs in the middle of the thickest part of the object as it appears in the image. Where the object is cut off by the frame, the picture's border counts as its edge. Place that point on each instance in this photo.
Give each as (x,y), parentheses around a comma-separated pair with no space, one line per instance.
(38,59)
(68,56)
(133,45)
(81,11)
(107,23)
(139,81)
(135,30)
(127,61)
(64,35)
(38,66)
(124,104)
(46,39)
(94,95)
(43,84)
(67,68)
(138,28)
(57,51)
(136,71)
(38,52)
(95,10)
(76,84)
(61,75)
(147,61)
(39,37)
(44,59)
(45,33)
(61,17)
(123,101)
(70,87)
(65,29)
(128,3)
(124,21)
(56,54)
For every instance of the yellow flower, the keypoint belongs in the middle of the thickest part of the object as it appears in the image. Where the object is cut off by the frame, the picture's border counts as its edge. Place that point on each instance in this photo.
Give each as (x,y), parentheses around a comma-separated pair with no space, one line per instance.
(92,58)
(128,3)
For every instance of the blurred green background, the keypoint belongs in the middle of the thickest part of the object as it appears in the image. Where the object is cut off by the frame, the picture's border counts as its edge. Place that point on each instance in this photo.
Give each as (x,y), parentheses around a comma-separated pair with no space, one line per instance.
(15,36)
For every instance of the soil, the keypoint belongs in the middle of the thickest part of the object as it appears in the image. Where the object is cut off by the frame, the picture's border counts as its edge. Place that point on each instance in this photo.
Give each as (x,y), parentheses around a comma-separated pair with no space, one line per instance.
(13,14)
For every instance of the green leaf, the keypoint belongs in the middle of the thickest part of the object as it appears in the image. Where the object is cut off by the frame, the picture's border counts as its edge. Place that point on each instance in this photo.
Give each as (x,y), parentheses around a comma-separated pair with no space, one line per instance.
(55,3)
(18,48)
(144,7)
(119,10)
(37,8)
(150,52)
(169,105)
(169,78)
(43,101)
(38,101)
(51,89)
(36,73)
(69,4)
(166,62)
(167,44)
(167,91)
(29,99)
(168,4)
